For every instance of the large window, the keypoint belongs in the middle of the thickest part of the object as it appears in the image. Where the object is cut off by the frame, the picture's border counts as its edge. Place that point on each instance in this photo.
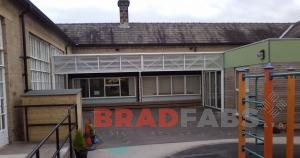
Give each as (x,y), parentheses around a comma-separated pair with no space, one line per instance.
(97,89)
(3,121)
(40,64)
(106,87)
(149,86)
(41,53)
(112,87)
(193,84)
(2,99)
(171,85)
(128,87)
(164,84)
(178,84)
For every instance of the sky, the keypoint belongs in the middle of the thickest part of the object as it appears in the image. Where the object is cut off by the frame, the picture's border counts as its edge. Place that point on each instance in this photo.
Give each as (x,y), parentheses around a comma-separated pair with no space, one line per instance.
(101,11)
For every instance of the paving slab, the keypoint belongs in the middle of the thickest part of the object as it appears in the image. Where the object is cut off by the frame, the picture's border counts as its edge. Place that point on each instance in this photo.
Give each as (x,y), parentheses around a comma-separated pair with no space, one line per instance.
(116,137)
(21,149)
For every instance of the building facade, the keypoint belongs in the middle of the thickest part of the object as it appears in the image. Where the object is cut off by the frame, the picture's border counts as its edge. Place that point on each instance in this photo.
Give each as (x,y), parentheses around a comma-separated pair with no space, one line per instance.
(27,42)
(117,64)
(282,53)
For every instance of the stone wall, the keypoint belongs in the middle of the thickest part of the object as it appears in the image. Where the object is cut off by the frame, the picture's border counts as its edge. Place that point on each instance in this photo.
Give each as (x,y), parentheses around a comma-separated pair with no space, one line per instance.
(14,66)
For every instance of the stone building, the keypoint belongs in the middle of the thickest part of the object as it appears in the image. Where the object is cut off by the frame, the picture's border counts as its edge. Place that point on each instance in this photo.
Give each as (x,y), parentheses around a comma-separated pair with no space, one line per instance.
(116,64)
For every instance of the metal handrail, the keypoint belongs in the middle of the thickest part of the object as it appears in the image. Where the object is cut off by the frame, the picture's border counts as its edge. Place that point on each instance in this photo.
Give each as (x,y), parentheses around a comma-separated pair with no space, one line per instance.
(36,151)
(252,152)
(285,74)
(248,133)
(254,76)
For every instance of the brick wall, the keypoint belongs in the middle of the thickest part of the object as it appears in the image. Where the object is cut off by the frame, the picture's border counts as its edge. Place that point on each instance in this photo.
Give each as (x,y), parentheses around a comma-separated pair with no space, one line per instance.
(229,88)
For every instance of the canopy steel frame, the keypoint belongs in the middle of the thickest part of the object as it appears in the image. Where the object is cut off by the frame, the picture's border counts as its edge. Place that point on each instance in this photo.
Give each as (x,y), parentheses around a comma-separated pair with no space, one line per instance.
(136,62)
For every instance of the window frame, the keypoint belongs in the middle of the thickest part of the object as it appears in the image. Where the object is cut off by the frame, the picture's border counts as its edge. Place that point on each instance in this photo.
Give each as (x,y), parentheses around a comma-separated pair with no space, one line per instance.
(170,84)
(184,85)
(200,84)
(170,95)
(40,64)
(104,80)
(41,70)
(3,108)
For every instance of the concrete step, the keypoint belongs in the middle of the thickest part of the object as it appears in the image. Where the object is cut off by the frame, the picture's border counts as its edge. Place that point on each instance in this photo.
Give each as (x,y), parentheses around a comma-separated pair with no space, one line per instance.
(21,149)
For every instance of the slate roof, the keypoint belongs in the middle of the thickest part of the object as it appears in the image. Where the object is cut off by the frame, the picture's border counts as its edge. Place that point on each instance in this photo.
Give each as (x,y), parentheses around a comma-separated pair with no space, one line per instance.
(172,33)
(294,32)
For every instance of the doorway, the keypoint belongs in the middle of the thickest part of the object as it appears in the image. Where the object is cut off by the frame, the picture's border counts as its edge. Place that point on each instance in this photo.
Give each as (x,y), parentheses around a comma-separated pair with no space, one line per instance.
(212,89)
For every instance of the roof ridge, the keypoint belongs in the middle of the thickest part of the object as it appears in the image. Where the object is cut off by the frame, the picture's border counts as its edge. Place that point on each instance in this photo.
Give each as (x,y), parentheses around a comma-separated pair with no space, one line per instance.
(91,23)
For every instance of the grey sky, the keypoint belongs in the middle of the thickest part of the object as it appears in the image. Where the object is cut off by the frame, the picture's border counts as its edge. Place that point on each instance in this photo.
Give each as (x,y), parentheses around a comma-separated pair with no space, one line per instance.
(75,11)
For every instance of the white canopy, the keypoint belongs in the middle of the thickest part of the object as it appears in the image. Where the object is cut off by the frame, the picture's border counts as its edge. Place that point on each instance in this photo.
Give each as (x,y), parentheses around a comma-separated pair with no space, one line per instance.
(137,62)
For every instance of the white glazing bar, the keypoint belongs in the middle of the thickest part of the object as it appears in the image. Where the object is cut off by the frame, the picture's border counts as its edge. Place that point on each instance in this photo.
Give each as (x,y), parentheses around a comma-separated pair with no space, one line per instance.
(141,87)
(157,86)
(216,90)
(142,63)
(204,88)
(98,58)
(184,61)
(222,91)
(184,80)
(89,85)
(120,59)
(52,74)
(163,61)
(99,63)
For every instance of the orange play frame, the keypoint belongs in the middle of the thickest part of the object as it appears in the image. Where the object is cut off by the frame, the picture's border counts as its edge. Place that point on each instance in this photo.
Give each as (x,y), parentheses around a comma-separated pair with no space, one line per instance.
(268,115)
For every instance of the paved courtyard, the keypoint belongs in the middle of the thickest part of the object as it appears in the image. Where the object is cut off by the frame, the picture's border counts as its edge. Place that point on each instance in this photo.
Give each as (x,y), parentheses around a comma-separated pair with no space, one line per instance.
(223,148)
(116,137)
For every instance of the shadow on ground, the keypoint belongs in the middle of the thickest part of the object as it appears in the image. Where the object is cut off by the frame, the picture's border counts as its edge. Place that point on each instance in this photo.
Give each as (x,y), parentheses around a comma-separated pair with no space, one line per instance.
(229,151)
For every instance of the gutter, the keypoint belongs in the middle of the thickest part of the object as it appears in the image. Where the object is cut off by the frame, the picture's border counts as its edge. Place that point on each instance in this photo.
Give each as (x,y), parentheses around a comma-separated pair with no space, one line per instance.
(192,45)
(22,19)
(31,8)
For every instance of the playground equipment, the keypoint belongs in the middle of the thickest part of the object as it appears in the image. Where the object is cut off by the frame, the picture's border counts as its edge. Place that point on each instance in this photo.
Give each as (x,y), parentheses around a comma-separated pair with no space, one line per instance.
(267,105)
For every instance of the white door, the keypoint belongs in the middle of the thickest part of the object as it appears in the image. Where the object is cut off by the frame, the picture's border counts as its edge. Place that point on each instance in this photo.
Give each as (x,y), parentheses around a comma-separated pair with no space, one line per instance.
(212,89)
(3,105)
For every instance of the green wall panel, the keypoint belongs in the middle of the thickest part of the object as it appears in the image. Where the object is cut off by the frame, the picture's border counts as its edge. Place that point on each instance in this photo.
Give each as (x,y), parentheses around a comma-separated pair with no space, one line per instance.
(287,50)
(246,55)
(281,50)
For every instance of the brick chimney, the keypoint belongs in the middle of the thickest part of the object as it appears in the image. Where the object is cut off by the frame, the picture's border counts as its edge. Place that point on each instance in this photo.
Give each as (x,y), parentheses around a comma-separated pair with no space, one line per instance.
(124,19)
